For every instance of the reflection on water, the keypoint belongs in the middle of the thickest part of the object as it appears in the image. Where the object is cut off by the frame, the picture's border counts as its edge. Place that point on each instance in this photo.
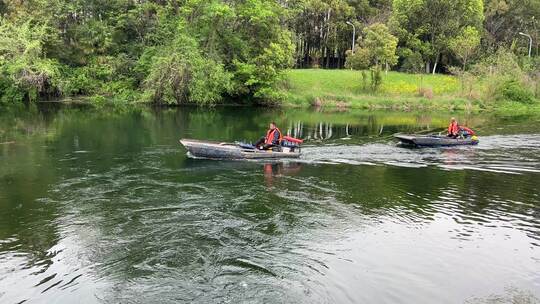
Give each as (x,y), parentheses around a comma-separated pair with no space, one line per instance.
(105,207)
(274,171)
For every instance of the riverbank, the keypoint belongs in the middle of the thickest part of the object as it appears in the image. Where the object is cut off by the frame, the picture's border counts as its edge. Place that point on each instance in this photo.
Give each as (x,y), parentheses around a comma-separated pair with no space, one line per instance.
(399,91)
(341,90)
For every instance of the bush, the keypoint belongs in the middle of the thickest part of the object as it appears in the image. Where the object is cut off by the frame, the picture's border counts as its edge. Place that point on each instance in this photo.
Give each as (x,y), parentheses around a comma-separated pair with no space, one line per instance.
(376,78)
(506,79)
(9,93)
(513,90)
(270,96)
(180,74)
(364,80)
(412,62)
(77,81)
(359,60)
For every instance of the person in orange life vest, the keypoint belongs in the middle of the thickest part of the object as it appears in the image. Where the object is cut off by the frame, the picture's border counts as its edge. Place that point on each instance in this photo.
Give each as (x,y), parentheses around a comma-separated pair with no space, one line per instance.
(453,128)
(272,139)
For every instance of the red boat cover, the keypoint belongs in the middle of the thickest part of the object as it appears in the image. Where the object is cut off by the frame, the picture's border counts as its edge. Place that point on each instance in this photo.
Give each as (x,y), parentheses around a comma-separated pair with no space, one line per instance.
(292,139)
(468,130)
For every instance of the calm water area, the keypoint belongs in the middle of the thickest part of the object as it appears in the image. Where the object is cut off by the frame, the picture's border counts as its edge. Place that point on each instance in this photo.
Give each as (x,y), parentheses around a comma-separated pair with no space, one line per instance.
(104,206)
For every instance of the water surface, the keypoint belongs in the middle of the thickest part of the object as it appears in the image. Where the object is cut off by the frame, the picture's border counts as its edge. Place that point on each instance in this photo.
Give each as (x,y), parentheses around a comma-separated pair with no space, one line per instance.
(104,206)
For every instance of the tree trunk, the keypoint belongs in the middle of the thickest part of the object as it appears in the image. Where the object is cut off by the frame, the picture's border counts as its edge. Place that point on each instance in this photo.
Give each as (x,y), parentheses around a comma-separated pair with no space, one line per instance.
(327,58)
(327,34)
(435,65)
(329,55)
(428,67)
(306,54)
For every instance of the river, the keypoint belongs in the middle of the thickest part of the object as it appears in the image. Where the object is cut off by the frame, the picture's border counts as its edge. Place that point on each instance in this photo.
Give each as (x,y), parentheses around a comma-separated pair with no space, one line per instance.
(104,206)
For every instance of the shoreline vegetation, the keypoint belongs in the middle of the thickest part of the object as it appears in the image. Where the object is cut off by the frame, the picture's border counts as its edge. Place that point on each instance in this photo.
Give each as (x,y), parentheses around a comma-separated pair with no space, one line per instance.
(344,89)
(405,55)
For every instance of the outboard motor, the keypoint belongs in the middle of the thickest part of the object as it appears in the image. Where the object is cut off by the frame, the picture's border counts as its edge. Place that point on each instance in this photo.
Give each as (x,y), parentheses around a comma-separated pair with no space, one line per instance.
(290,144)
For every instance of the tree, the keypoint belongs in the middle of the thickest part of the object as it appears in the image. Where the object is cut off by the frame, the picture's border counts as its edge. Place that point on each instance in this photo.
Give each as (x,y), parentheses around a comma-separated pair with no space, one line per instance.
(381,45)
(321,31)
(506,18)
(172,51)
(180,74)
(427,26)
(23,64)
(360,60)
(465,44)
(378,47)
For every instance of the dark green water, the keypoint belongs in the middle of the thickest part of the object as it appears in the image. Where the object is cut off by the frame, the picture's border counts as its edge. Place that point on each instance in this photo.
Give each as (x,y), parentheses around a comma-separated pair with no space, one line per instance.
(105,207)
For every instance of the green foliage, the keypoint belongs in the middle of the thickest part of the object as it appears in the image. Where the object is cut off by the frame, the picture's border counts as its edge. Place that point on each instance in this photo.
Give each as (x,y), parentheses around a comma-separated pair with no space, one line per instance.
(427,26)
(28,74)
(376,78)
(377,47)
(505,18)
(364,80)
(321,29)
(191,52)
(206,51)
(512,90)
(180,74)
(381,44)
(465,44)
(412,61)
(360,60)
(505,79)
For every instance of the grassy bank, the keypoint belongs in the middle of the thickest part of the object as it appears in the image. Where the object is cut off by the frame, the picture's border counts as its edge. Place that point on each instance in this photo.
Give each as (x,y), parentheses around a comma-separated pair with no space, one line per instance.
(399,91)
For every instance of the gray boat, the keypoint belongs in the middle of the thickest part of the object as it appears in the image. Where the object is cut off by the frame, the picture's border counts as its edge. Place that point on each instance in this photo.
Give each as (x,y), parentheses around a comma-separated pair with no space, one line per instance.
(224,150)
(435,140)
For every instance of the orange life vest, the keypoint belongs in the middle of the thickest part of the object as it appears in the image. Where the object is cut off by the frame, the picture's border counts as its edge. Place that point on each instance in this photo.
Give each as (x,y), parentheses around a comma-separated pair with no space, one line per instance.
(453,128)
(270,136)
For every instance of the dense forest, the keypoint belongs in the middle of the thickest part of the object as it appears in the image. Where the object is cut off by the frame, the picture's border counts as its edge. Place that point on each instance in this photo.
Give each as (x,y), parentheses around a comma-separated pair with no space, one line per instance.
(204,51)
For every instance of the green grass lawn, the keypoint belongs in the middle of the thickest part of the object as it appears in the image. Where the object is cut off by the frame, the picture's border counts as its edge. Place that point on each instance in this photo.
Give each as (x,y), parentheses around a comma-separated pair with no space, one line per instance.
(343,88)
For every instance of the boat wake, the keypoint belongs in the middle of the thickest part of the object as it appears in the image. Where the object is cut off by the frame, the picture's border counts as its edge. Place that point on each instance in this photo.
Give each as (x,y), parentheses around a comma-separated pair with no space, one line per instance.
(512,154)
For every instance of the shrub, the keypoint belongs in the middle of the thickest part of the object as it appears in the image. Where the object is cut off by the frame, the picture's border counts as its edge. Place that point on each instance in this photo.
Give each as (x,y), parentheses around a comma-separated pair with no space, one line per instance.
(376,78)
(77,82)
(506,79)
(425,92)
(180,74)
(513,90)
(9,93)
(359,60)
(364,80)
(537,87)
(412,61)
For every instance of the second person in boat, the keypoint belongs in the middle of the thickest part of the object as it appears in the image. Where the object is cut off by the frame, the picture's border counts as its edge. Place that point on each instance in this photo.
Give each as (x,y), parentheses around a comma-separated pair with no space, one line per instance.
(272,139)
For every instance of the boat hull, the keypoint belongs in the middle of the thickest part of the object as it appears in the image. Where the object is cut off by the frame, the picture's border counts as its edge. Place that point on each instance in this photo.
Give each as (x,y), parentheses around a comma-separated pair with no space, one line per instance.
(217,150)
(435,140)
